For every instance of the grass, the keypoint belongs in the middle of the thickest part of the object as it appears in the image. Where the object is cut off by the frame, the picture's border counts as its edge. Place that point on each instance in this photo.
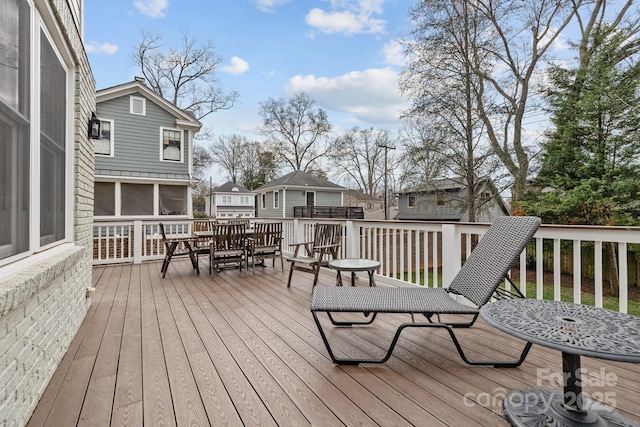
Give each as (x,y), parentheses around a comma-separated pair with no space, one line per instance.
(566,294)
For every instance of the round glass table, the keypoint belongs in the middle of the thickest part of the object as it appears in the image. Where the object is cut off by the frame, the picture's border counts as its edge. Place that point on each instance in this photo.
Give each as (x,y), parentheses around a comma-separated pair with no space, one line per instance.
(576,330)
(354,265)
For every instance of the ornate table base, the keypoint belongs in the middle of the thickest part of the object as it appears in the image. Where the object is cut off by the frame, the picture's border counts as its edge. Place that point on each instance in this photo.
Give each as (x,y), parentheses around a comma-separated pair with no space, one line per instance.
(540,406)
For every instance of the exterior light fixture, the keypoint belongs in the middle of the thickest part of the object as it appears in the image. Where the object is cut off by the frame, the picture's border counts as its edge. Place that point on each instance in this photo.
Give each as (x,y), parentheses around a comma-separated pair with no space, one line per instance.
(94,127)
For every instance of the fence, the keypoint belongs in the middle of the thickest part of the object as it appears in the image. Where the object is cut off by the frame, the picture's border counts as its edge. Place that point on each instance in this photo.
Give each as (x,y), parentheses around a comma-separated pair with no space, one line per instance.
(426,253)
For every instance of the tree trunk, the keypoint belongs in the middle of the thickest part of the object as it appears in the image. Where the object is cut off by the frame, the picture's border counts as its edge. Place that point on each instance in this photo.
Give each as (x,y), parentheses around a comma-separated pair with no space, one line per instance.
(614,279)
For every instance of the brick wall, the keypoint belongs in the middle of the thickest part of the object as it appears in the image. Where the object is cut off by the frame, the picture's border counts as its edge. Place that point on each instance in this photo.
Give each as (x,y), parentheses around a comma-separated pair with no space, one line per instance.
(43,305)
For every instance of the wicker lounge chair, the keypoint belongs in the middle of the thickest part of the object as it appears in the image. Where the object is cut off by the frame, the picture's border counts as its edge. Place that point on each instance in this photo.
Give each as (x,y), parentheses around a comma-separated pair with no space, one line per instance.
(478,280)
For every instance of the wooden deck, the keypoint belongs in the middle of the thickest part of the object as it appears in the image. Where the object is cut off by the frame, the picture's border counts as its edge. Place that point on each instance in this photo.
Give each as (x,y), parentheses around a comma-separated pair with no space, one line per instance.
(228,350)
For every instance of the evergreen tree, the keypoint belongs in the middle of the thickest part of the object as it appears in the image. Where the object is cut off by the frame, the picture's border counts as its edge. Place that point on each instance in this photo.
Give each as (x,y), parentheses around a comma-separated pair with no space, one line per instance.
(591,172)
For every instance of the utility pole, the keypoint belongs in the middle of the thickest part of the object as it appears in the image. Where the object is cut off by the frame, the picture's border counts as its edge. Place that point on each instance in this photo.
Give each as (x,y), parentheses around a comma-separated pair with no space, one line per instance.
(386,179)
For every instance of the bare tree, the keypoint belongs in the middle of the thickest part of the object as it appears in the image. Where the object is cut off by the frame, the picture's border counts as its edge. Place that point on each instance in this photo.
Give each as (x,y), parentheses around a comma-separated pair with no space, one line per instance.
(183,75)
(296,133)
(228,153)
(499,45)
(258,165)
(359,153)
(420,162)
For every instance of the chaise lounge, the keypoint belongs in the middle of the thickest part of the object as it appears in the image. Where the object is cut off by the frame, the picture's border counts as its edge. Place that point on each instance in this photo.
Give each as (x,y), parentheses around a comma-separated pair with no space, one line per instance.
(478,280)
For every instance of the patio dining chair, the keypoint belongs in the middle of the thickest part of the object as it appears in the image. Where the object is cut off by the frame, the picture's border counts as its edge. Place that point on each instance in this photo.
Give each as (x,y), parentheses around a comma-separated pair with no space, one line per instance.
(479,280)
(265,243)
(228,246)
(175,248)
(202,243)
(317,253)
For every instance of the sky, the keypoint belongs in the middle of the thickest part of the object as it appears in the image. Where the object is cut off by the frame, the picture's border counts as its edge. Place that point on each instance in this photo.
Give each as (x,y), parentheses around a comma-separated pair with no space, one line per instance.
(343,53)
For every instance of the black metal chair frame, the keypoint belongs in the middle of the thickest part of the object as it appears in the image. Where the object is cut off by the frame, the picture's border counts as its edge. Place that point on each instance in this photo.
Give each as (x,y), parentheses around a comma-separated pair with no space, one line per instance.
(479,280)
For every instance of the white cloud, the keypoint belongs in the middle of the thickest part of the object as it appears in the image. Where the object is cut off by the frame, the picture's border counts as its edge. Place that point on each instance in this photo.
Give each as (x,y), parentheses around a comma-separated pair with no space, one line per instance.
(237,66)
(104,48)
(348,17)
(393,55)
(269,5)
(372,96)
(152,8)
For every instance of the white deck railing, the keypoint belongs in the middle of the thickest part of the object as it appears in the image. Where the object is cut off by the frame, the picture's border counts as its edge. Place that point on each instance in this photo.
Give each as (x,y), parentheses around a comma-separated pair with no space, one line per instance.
(414,253)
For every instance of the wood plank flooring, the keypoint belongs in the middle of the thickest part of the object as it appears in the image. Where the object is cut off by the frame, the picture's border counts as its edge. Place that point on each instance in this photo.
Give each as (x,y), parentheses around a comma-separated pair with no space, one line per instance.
(227,349)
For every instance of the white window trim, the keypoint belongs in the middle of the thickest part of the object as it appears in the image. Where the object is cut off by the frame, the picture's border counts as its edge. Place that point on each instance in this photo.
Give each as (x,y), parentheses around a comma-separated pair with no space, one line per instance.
(111,139)
(40,21)
(162,129)
(276,199)
(144,105)
(263,200)
(306,193)
(65,59)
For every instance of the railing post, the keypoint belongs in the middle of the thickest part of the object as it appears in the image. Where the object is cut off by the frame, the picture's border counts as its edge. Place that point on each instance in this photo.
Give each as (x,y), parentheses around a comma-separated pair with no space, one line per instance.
(353,239)
(137,242)
(450,254)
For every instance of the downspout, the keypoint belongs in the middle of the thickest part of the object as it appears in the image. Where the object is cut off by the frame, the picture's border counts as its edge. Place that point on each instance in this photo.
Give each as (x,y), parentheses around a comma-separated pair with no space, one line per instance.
(284,202)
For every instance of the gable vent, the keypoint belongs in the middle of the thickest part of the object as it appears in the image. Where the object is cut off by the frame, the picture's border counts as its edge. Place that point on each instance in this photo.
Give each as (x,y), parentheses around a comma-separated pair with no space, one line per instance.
(138,106)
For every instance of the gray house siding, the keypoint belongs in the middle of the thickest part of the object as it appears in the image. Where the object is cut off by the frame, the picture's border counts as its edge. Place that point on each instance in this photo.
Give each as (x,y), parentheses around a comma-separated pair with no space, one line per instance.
(426,208)
(267,211)
(328,198)
(296,198)
(137,141)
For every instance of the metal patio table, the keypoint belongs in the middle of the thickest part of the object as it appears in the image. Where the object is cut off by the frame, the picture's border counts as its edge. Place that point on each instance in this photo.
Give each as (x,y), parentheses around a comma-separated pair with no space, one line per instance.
(576,330)
(353,265)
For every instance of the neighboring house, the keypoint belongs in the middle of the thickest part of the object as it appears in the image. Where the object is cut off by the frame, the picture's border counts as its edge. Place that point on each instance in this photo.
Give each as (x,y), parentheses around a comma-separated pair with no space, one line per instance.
(359,198)
(230,200)
(47,97)
(445,200)
(143,166)
(299,189)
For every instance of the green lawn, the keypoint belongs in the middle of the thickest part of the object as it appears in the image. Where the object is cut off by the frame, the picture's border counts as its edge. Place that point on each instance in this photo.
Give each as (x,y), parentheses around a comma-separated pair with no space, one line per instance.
(566,294)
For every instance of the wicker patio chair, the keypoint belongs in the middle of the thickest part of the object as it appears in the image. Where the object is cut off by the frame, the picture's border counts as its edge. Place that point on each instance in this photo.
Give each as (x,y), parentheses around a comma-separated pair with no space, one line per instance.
(478,280)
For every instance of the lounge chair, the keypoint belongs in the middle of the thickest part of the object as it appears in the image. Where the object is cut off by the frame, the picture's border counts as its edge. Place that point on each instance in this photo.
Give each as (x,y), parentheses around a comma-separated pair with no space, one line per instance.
(478,280)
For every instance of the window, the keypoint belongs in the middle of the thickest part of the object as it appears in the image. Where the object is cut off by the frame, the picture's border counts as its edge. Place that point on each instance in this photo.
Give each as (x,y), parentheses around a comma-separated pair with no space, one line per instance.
(173,199)
(244,200)
(225,200)
(104,145)
(14,128)
(138,105)
(137,199)
(441,198)
(104,199)
(35,169)
(171,145)
(411,202)
(276,199)
(264,200)
(485,197)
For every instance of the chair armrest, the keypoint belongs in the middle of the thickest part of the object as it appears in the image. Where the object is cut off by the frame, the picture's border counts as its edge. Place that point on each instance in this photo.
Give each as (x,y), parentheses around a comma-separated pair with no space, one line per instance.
(307,247)
(301,243)
(337,245)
